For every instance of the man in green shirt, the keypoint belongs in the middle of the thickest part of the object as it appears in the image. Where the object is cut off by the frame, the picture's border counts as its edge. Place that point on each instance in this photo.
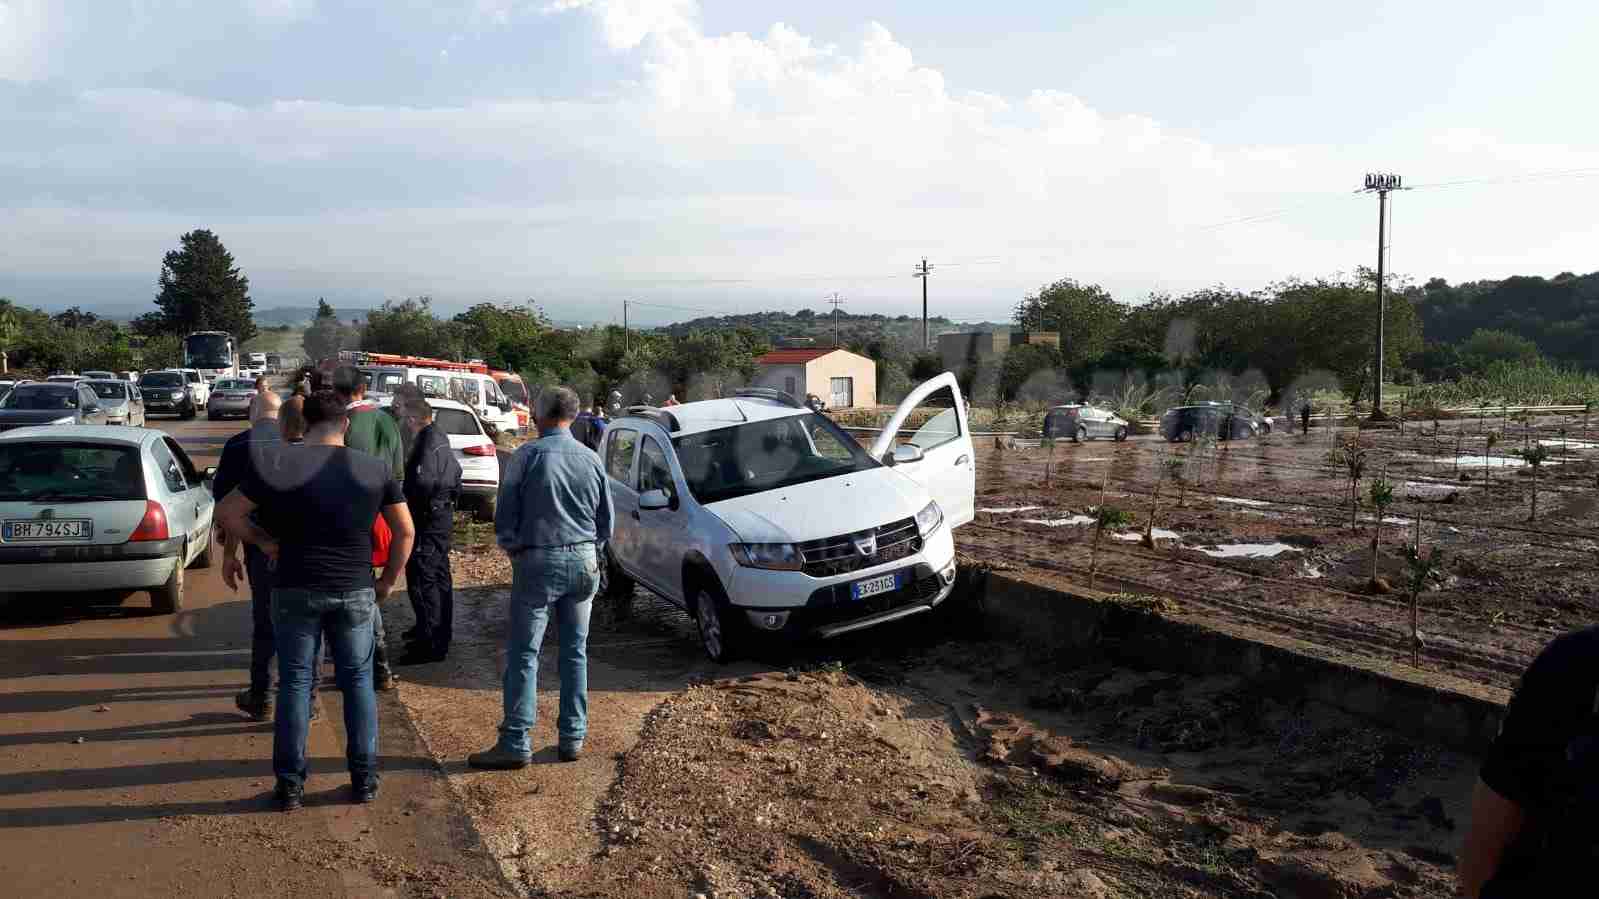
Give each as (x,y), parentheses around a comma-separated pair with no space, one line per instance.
(371,431)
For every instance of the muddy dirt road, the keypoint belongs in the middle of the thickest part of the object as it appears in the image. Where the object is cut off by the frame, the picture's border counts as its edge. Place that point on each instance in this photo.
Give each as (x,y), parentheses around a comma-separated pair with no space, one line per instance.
(126,771)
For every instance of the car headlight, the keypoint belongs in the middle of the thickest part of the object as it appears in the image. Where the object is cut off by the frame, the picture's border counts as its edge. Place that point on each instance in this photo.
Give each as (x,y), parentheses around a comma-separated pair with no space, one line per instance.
(177,395)
(928,520)
(776,556)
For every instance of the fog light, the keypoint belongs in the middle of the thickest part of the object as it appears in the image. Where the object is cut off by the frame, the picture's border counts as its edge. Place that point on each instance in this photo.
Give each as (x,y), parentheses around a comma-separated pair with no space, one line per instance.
(948,574)
(770,621)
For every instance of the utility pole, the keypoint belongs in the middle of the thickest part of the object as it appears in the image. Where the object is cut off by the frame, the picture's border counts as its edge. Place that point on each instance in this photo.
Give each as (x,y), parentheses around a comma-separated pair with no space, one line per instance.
(624,328)
(836,301)
(922,272)
(1381,184)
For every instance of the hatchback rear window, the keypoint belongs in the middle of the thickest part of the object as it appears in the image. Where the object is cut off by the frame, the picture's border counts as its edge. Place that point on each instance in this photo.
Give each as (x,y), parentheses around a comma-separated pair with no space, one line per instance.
(69,472)
(52,396)
(454,421)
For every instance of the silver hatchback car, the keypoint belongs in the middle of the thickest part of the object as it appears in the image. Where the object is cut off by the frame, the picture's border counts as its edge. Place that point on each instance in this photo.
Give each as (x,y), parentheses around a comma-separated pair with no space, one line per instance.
(100,509)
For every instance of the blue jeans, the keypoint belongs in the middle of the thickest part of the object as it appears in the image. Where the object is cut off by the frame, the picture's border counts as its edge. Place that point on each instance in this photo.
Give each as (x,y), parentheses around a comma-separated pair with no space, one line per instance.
(563,579)
(300,617)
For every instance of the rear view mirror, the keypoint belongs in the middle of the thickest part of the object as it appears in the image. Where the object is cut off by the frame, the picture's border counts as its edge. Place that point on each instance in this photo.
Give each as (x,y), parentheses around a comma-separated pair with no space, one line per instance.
(907,453)
(654,500)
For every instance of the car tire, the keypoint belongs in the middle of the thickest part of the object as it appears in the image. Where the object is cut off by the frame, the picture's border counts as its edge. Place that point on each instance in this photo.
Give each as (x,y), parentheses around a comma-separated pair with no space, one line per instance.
(187,413)
(212,416)
(1121,433)
(716,627)
(203,560)
(615,585)
(1185,437)
(167,599)
(486,507)
(1082,434)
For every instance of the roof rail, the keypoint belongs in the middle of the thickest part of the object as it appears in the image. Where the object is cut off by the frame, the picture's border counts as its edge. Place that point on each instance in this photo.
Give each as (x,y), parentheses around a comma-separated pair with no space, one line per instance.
(656,414)
(769,393)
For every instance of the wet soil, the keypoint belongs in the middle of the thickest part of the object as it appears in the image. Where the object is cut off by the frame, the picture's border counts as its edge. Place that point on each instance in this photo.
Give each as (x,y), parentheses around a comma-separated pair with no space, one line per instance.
(1504,586)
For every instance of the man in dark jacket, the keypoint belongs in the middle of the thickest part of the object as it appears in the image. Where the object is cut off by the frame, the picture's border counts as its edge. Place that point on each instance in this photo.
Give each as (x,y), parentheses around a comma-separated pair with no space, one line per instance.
(432,483)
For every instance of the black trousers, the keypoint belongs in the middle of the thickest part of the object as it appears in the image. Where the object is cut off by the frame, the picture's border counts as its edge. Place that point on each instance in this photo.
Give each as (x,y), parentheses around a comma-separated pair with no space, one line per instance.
(432,591)
(261,574)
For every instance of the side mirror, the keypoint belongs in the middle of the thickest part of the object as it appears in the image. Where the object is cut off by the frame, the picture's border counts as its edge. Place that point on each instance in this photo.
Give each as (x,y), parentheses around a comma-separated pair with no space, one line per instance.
(907,453)
(210,473)
(91,409)
(654,501)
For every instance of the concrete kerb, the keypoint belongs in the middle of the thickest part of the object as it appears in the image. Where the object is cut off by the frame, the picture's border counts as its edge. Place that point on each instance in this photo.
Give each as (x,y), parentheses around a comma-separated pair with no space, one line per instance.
(1053,614)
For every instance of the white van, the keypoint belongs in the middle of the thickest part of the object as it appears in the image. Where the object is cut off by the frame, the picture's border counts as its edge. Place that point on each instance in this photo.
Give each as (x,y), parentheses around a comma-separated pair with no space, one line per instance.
(479,391)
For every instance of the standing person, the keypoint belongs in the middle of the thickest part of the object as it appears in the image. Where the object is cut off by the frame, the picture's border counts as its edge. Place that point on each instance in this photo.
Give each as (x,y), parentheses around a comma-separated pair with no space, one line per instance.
(554,511)
(404,395)
(587,430)
(240,455)
(432,483)
(1532,827)
(1304,418)
(671,400)
(318,503)
(261,385)
(371,431)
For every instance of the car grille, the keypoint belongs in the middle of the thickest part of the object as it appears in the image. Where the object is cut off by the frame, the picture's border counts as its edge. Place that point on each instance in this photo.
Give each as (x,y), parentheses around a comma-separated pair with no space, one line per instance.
(832,605)
(833,556)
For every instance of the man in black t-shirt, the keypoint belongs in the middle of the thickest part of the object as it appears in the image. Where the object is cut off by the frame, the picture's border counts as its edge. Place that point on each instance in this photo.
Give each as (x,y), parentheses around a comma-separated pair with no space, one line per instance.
(1535,811)
(317,504)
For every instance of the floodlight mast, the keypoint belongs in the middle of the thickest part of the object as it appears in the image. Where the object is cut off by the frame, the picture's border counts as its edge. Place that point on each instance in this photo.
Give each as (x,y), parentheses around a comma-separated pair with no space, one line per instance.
(1381,183)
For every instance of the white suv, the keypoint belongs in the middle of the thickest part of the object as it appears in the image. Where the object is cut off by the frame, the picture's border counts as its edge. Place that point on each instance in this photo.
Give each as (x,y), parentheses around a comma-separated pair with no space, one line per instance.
(761,516)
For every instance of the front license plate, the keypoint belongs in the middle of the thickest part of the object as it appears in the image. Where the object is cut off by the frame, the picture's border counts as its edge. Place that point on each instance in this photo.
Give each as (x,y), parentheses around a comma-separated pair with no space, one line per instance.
(31,531)
(888,583)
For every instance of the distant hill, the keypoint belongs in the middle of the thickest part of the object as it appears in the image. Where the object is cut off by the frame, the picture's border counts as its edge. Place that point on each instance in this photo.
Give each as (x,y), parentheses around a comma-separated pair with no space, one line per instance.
(300,316)
(818,326)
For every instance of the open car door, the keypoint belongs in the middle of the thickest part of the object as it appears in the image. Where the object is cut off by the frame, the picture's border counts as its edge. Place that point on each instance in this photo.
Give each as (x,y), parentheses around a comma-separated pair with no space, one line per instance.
(948,465)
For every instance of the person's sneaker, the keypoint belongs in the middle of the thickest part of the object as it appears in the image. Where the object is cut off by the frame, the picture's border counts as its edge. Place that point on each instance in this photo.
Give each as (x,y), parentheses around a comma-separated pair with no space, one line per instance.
(364,792)
(569,752)
(497,759)
(258,706)
(383,679)
(289,796)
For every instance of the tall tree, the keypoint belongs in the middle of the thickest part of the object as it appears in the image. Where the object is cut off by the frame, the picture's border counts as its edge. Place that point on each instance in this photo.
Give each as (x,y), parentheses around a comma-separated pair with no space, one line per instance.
(408,327)
(202,290)
(10,328)
(1086,315)
(327,335)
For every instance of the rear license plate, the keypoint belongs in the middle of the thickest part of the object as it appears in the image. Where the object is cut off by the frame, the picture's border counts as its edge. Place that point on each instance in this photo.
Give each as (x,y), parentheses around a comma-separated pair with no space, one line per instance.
(888,583)
(30,531)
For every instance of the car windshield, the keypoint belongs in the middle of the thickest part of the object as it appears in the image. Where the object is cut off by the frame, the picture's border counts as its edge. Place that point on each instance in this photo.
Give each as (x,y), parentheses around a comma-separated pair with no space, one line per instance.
(454,421)
(162,379)
(766,455)
(69,472)
(108,391)
(208,351)
(235,385)
(515,391)
(41,396)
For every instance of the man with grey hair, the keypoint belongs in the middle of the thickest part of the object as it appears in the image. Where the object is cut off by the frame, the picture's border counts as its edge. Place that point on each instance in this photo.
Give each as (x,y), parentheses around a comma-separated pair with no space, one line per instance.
(554,514)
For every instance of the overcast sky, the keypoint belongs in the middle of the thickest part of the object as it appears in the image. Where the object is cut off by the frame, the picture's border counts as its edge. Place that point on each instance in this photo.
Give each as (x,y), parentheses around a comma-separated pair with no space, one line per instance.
(751,154)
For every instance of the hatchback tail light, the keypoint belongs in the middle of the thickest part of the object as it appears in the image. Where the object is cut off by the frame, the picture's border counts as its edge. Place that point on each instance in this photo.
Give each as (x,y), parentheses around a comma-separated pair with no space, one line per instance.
(154,524)
(479,449)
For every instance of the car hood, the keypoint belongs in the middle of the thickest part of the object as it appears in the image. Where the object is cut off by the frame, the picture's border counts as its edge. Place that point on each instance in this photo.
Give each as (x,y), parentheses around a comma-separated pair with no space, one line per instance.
(825,508)
(35,416)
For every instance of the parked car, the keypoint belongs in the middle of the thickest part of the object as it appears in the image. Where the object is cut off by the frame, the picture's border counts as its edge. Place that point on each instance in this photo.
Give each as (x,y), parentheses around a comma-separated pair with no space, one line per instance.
(66,378)
(123,403)
(167,391)
(50,403)
(1082,422)
(199,387)
(475,451)
(96,508)
(99,375)
(763,518)
(230,396)
(1224,421)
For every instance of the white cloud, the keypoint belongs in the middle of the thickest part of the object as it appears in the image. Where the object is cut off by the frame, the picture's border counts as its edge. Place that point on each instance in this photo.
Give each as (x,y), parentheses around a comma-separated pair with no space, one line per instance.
(281,12)
(25,26)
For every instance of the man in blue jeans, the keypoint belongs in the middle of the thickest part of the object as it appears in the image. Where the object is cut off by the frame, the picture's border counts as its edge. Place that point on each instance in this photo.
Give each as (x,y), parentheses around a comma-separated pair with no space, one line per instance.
(317,504)
(554,513)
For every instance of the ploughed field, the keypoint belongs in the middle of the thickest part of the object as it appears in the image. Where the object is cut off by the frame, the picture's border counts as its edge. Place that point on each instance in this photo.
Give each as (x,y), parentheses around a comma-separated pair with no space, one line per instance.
(1259,532)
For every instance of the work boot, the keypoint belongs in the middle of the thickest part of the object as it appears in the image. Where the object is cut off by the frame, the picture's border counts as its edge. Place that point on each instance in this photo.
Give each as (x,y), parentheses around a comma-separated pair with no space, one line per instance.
(498,759)
(258,706)
(365,791)
(382,678)
(289,796)
(569,752)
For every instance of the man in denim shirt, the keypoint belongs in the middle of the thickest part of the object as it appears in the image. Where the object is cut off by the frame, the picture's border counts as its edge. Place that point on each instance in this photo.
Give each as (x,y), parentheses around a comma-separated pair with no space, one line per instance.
(554,513)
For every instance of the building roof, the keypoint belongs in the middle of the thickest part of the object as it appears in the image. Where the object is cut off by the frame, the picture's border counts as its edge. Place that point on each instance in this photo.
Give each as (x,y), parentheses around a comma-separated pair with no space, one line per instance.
(796,356)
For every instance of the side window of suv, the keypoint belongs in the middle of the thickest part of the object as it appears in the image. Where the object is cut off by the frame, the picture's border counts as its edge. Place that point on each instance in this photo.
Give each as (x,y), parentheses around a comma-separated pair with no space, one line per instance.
(654,471)
(619,454)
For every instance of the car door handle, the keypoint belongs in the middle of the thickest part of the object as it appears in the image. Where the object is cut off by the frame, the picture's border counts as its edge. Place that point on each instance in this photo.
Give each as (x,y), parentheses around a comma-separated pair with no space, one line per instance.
(963,460)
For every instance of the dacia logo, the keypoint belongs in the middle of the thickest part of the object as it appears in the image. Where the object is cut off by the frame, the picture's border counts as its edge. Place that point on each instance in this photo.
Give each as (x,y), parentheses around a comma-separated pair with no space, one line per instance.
(47,514)
(866,544)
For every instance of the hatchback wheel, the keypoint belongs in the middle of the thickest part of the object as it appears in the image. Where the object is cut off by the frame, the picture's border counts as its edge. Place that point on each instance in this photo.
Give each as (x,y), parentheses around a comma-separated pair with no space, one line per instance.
(1082,434)
(713,627)
(168,598)
(1121,433)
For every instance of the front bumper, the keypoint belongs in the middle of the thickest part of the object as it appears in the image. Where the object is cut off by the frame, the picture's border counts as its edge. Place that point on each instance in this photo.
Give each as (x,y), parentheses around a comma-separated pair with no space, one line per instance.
(805,605)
